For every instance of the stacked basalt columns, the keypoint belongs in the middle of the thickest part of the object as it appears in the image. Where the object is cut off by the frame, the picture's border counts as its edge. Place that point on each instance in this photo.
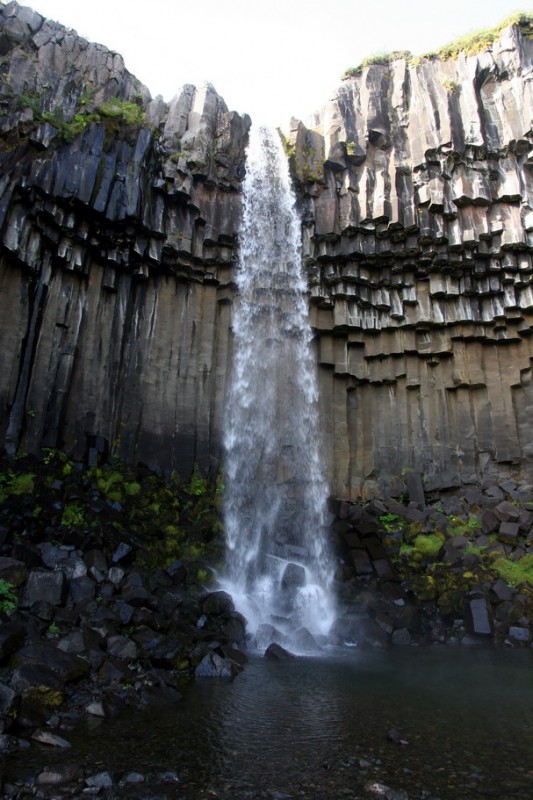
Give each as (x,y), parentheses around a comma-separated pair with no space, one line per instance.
(417,198)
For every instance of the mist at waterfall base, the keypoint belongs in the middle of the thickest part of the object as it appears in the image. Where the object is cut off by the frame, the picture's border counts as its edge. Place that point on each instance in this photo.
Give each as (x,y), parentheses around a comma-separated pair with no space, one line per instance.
(278,569)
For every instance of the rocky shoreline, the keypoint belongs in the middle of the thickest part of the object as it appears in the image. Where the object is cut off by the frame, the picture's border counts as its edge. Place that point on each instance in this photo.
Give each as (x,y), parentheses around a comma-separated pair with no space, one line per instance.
(108,598)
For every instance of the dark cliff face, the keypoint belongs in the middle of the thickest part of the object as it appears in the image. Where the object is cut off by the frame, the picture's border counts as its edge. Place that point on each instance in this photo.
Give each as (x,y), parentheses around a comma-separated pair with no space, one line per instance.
(118,220)
(417,198)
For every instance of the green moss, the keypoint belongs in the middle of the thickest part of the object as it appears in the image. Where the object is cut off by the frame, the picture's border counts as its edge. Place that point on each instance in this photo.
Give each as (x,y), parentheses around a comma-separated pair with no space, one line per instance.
(460,527)
(128,112)
(13,484)
(43,696)
(515,572)
(428,545)
(198,485)
(390,522)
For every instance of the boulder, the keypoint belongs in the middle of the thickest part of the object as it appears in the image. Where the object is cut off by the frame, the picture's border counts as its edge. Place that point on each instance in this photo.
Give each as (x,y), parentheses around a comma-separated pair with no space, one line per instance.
(64,666)
(275,652)
(213,665)
(13,571)
(44,585)
(293,576)
(218,604)
(479,618)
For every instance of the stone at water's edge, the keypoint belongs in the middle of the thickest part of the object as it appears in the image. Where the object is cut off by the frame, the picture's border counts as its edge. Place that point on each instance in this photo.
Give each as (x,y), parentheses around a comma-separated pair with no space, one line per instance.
(276,652)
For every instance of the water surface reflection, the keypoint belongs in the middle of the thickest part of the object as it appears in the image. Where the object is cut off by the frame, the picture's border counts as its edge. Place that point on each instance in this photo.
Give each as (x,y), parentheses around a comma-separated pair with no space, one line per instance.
(318,728)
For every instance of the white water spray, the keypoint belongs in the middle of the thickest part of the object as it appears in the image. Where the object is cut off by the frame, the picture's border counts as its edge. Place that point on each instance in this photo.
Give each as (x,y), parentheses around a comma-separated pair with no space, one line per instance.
(278,570)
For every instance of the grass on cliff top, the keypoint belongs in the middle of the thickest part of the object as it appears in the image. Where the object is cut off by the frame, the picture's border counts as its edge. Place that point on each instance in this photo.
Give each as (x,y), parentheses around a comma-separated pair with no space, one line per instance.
(470,44)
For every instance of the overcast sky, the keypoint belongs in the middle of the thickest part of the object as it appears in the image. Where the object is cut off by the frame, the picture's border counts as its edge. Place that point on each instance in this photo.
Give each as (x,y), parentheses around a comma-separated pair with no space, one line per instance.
(272,59)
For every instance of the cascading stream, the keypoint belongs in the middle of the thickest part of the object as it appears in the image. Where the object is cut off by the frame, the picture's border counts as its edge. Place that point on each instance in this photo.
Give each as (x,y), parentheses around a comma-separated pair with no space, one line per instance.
(278,568)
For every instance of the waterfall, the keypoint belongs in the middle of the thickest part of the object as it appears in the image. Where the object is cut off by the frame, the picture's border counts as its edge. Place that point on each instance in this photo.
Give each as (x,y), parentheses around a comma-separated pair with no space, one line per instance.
(278,568)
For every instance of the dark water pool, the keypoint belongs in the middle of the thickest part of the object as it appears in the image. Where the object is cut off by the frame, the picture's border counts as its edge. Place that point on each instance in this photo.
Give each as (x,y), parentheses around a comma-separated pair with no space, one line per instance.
(318,728)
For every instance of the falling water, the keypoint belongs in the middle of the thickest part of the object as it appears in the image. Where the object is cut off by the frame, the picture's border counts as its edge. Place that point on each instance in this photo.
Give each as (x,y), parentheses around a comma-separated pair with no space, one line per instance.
(278,571)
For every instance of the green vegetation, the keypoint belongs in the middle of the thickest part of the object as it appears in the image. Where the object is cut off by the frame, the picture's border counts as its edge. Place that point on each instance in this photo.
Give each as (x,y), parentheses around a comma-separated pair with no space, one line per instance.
(13,484)
(428,545)
(164,518)
(391,522)
(452,87)
(469,44)
(124,110)
(8,598)
(112,112)
(460,527)
(472,43)
(380,59)
(515,573)
(72,515)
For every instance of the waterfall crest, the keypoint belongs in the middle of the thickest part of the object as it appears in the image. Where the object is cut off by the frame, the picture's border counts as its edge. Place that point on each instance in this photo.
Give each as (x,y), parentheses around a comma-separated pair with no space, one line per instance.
(278,568)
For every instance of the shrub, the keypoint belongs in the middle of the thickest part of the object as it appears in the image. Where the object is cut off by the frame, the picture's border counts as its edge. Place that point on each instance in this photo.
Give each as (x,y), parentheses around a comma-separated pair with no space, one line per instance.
(8,598)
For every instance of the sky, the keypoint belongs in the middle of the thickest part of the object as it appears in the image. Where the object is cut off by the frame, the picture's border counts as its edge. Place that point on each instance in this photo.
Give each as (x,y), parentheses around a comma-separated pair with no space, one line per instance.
(272,59)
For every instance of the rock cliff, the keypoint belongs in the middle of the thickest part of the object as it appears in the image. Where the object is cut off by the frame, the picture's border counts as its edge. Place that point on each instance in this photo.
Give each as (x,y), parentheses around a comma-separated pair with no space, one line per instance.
(117,232)
(417,200)
(118,220)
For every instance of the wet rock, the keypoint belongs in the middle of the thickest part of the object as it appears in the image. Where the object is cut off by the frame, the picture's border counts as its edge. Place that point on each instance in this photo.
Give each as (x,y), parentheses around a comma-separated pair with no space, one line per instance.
(132,777)
(122,648)
(13,571)
(401,637)
(58,775)
(376,789)
(9,700)
(214,666)
(52,739)
(81,589)
(275,652)
(153,696)
(234,629)
(133,591)
(122,553)
(415,488)
(394,735)
(361,562)
(30,675)
(502,591)
(43,585)
(509,532)
(479,617)
(100,780)
(345,631)
(106,707)
(73,642)
(52,555)
(519,633)
(12,637)
(167,651)
(177,572)
(293,576)
(304,641)
(115,575)
(64,666)
(218,603)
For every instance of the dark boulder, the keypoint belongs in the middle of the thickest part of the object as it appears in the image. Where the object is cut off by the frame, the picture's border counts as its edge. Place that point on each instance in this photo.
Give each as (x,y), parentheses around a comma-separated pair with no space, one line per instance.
(44,585)
(275,652)
(218,604)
